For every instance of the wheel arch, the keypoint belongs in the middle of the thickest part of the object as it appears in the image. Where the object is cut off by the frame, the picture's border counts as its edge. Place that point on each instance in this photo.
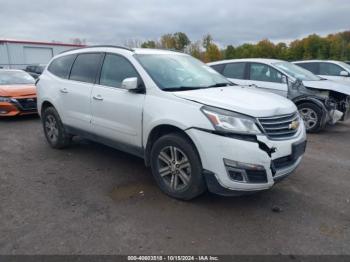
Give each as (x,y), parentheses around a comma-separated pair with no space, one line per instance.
(316,101)
(159,131)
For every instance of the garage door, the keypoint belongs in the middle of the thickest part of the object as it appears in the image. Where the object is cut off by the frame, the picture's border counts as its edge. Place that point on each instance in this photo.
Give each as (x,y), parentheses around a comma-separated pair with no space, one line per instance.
(37,55)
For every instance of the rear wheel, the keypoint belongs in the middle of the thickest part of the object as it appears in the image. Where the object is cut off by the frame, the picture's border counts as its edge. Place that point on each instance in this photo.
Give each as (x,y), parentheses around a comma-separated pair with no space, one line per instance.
(312,116)
(54,130)
(176,167)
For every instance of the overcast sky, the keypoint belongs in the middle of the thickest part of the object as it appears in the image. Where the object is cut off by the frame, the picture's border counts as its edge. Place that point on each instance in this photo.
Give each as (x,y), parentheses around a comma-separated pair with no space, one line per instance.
(115,21)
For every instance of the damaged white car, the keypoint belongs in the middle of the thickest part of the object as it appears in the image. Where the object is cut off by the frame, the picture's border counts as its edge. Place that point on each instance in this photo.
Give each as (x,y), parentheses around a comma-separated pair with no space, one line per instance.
(320,101)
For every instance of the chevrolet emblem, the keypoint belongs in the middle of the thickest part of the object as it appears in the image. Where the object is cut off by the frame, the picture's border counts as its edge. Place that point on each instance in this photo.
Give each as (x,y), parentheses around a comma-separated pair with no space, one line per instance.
(294,125)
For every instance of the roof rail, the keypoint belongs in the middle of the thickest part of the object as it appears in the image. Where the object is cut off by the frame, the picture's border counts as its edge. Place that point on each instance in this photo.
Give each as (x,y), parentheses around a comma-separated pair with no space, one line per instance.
(93,46)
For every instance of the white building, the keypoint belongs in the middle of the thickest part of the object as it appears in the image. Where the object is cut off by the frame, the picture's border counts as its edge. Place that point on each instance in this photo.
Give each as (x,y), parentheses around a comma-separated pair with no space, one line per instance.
(19,54)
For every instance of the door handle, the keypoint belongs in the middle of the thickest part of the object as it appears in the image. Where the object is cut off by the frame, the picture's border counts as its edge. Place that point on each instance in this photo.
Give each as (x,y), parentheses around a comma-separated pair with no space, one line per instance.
(253,85)
(98,97)
(64,90)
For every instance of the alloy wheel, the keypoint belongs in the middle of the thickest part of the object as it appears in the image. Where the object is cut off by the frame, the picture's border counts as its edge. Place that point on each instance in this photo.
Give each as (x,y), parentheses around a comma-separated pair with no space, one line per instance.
(51,128)
(309,116)
(174,168)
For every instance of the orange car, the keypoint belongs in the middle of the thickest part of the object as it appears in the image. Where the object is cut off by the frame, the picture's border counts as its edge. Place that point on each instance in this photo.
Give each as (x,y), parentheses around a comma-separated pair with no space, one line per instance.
(17,93)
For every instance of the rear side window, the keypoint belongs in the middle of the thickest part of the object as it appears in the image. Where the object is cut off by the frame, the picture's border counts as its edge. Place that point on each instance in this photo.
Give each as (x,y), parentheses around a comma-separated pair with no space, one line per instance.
(218,68)
(85,67)
(61,66)
(234,70)
(330,69)
(312,67)
(115,69)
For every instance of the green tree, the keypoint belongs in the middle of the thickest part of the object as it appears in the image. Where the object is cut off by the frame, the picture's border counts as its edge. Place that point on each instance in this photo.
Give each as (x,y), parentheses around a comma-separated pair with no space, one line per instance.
(149,44)
(212,53)
(245,51)
(281,51)
(230,52)
(265,49)
(181,41)
(207,41)
(167,41)
(194,49)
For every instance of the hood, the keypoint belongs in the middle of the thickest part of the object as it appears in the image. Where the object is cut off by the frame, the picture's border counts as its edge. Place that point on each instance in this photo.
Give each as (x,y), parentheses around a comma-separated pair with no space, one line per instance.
(17,90)
(328,85)
(243,100)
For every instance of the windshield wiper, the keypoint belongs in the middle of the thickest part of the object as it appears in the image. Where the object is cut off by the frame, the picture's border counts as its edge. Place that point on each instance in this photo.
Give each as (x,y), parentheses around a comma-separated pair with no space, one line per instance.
(221,84)
(181,88)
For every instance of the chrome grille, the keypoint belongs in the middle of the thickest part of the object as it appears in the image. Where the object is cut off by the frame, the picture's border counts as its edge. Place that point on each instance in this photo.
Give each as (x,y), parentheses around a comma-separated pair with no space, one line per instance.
(279,127)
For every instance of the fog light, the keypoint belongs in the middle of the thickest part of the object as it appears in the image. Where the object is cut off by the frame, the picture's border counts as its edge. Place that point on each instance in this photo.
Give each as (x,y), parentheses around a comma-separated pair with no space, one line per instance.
(238,171)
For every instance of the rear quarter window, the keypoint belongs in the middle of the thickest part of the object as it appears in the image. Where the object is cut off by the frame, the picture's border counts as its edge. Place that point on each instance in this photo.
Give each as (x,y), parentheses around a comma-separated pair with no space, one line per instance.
(61,66)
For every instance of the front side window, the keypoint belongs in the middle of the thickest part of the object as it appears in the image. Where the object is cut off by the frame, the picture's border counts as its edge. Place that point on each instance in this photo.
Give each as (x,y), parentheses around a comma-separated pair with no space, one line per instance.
(85,67)
(61,66)
(234,70)
(262,72)
(177,72)
(15,78)
(115,69)
(296,72)
(330,69)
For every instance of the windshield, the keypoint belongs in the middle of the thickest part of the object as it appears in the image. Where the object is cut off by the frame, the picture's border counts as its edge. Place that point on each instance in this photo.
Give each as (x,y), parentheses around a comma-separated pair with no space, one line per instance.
(15,78)
(345,65)
(178,72)
(296,71)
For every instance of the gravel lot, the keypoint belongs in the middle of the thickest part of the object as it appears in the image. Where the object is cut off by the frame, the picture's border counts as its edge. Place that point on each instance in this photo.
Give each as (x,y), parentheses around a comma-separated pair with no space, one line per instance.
(91,199)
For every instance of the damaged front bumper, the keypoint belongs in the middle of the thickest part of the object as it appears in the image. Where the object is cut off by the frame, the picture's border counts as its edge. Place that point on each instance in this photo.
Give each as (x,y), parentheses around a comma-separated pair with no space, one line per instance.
(234,166)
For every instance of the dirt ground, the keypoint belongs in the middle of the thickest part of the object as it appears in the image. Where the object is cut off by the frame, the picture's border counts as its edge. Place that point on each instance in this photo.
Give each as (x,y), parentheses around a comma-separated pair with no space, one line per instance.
(91,199)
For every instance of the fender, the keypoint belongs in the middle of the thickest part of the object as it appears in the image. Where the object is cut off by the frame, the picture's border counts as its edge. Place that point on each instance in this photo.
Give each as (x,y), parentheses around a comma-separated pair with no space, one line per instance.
(314,100)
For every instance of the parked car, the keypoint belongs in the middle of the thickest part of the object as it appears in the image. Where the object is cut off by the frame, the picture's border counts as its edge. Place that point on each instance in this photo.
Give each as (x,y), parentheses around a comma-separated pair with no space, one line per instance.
(17,93)
(328,69)
(35,70)
(320,102)
(190,125)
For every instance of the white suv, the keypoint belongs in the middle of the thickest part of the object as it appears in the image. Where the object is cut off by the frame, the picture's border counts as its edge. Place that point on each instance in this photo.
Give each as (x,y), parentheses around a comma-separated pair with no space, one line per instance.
(320,101)
(328,69)
(186,121)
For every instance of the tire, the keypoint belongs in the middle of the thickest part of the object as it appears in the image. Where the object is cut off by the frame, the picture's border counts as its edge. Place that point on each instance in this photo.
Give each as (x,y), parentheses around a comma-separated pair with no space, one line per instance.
(180,178)
(54,130)
(312,116)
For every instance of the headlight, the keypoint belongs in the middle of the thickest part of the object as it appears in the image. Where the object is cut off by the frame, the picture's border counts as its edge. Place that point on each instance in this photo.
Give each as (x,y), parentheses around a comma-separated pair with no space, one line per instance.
(5,99)
(227,121)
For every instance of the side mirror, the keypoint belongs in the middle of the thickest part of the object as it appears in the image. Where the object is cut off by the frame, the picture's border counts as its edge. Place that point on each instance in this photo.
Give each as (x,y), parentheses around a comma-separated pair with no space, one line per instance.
(130,83)
(344,73)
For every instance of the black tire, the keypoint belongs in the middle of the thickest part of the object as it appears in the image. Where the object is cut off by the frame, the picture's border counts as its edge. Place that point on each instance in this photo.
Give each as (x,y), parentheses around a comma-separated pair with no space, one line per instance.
(316,112)
(61,139)
(194,184)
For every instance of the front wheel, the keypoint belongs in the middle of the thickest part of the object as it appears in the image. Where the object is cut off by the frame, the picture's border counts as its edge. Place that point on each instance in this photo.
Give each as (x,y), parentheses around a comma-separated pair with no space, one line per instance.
(176,167)
(312,116)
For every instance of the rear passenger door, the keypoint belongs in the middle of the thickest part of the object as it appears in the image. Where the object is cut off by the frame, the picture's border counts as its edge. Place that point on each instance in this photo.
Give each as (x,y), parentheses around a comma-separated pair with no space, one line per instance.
(76,93)
(267,78)
(117,112)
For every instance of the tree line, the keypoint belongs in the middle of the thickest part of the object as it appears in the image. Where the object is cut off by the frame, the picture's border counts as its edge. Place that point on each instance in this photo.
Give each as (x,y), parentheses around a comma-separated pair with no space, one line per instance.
(333,46)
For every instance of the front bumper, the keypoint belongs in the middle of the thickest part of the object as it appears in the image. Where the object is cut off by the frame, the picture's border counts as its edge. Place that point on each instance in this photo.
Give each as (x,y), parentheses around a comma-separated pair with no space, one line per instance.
(275,157)
(18,106)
